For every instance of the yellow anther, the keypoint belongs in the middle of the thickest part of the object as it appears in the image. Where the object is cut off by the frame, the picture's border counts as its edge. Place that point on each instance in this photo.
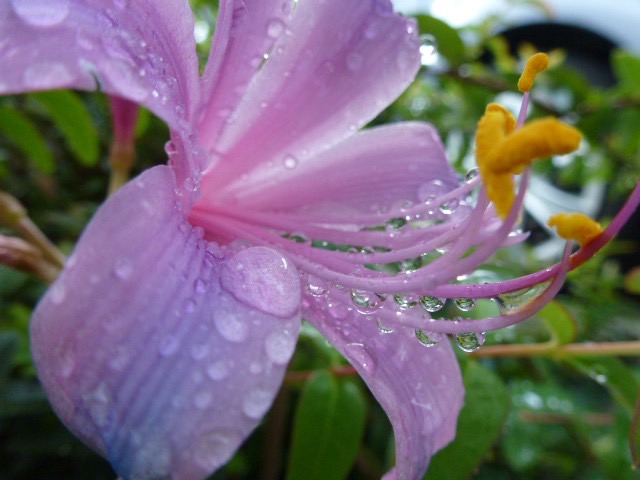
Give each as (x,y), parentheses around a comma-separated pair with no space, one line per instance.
(537,139)
(536,64)
(502,151)
(575,226)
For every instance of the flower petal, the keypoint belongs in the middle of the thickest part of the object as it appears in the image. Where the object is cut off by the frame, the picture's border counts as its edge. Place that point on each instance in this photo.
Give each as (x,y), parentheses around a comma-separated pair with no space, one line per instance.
(335,67)
(245,32)
(419,387)
(160,350)
(90,44)
(373,170)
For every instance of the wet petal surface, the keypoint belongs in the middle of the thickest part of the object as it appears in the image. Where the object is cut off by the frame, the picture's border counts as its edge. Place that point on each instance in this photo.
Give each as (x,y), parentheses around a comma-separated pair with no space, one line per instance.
(150,350)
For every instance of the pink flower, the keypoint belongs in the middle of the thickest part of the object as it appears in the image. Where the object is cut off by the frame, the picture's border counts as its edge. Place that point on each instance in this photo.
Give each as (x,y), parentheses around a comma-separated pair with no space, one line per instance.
(165,339)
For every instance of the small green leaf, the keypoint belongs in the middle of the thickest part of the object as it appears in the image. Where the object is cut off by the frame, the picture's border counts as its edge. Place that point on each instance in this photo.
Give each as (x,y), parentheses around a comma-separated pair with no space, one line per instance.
(614,375)
(328,429)
(632,281)
(480,422)
(450,44)
(560,322)
(72,118)
(626,67)
(20,130)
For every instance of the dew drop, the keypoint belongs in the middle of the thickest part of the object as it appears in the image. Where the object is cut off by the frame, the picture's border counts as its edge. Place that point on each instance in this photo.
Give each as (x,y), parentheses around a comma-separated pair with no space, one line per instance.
(395,224)
(290,162)
(365,302)
(465,304)
(215,448)
(218,370)
(470,342)
(57,293)
(425,339)
(471,174)
(256,403)
(450,206)
(280,346)
(67,363)
(123,268)
(405,301)
(47,75)
(316,286)
(121,77)
(41,13)
(432,304)
(98,404)
(513,301)
(275,27)
(428,50)
(231,326)
(359,353)
(383,329)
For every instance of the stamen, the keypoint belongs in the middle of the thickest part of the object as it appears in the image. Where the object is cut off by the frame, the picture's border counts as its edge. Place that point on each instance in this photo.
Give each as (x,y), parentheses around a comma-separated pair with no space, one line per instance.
(501,154)
(536,64)
(575,226)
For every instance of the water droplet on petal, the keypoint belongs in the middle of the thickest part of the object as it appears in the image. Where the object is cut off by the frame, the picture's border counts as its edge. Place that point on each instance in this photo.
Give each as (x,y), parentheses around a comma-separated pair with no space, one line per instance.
(450,206)
(231,326)
(428,50)
(98,404)
(57,293)
(290,162)
(47,75)
(365,302)
(471,174)
(465,304)
(216,448)
(405,301)
(383,329)
(316,286)
(122,79)
(123,268)
(218,370)
(470,342)
(359,353)
(67,363)
(275,27)
(41,13)
(256,403)
(280,346)
(432,304)
(425,339)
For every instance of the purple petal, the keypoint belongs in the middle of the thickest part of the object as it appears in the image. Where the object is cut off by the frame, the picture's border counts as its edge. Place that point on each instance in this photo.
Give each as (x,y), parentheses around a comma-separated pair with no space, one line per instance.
(372,170)
(336,65)
(245,32)
(140,50)
(419,387)
(153,346)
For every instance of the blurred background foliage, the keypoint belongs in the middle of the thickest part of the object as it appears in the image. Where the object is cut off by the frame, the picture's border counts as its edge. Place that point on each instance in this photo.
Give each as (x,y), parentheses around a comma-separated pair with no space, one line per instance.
(552,398)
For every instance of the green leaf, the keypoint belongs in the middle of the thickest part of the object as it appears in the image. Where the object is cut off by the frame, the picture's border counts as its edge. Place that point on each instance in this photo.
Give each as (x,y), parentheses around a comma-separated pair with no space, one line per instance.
(560,322)
(612,374)
(632,281)
(480,423)
(20,130)
(450,44)
(626,67)
(328,429)
(74,121)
